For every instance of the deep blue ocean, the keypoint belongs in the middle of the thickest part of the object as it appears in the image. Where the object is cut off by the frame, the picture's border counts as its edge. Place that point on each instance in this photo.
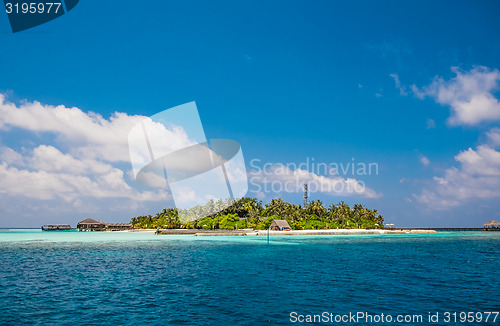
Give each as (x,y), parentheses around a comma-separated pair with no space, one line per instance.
(72,278)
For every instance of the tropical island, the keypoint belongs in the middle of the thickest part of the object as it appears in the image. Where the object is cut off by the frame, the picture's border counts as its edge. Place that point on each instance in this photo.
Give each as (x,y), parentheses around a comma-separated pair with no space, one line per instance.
(250,213)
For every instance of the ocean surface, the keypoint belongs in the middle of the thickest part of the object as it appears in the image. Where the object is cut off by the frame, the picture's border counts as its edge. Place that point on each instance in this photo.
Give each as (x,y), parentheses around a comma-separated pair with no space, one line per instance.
(116,278)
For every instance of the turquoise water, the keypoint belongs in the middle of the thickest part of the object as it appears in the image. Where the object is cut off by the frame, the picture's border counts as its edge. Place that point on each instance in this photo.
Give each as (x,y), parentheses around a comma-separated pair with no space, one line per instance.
(95,278)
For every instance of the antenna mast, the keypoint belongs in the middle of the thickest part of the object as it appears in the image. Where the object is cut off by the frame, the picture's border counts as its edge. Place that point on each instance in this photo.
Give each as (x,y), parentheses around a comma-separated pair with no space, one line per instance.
(306,196)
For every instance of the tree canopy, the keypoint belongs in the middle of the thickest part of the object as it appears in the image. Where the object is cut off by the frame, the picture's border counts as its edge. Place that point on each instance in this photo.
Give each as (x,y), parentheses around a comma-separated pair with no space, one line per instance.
(249,212)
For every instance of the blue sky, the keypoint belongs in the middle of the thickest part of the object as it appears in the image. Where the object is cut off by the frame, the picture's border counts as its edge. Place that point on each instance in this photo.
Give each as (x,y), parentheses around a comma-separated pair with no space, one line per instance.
(289,80)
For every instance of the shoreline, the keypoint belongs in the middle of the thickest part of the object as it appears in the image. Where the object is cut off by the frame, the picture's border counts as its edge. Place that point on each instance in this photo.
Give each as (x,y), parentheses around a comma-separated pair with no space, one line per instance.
(248,232)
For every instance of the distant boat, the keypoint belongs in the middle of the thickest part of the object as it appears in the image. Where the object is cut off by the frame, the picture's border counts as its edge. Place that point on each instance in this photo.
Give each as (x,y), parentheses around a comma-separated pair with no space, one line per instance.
(56,227)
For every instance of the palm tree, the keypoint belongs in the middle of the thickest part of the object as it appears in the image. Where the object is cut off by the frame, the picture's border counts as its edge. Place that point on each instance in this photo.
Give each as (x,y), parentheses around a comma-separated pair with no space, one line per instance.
(317,208)
(344,212)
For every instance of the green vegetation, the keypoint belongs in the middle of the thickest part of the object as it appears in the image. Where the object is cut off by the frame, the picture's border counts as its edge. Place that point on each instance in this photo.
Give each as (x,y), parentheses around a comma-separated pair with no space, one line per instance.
(249,213)
(167,218)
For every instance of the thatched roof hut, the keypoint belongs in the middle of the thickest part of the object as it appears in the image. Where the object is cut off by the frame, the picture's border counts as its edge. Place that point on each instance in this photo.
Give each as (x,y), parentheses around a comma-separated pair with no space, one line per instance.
(279,225)
(491,226)
(91,225)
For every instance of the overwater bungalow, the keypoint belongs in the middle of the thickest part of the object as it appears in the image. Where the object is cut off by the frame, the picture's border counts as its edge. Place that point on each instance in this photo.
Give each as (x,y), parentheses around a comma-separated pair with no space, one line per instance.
(91,225)
(56,227)
(280,225)
(118,226)
(491,226)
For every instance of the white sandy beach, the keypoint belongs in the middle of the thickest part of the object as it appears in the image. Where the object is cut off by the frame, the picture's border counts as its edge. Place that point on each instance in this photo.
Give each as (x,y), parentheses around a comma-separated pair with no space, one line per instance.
(250,232)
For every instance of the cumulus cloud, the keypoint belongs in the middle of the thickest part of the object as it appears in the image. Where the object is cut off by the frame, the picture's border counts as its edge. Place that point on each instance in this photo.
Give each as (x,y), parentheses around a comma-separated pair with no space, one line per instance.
(470,95)
(10,156)
(85,161)
(494,137)
(88,134)
(471,98)
(477,177)
(85,134)
(50,159)
(49,174)
(279,178)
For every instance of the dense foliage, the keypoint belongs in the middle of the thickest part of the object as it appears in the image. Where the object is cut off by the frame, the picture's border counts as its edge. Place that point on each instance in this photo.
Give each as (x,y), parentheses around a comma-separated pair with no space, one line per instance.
(249,213)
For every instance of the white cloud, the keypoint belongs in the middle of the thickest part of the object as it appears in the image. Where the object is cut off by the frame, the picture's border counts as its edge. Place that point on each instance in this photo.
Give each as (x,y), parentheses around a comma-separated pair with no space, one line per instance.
(187,196)
(89,134)
(485,161)
(401,88)
(50,174)
(50,159)
(280,178)
(10,156)
(494,137)
(424,160)
(417,92)
(430,124)
(469,95)
(478,177)
(83,164)
(86,135)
